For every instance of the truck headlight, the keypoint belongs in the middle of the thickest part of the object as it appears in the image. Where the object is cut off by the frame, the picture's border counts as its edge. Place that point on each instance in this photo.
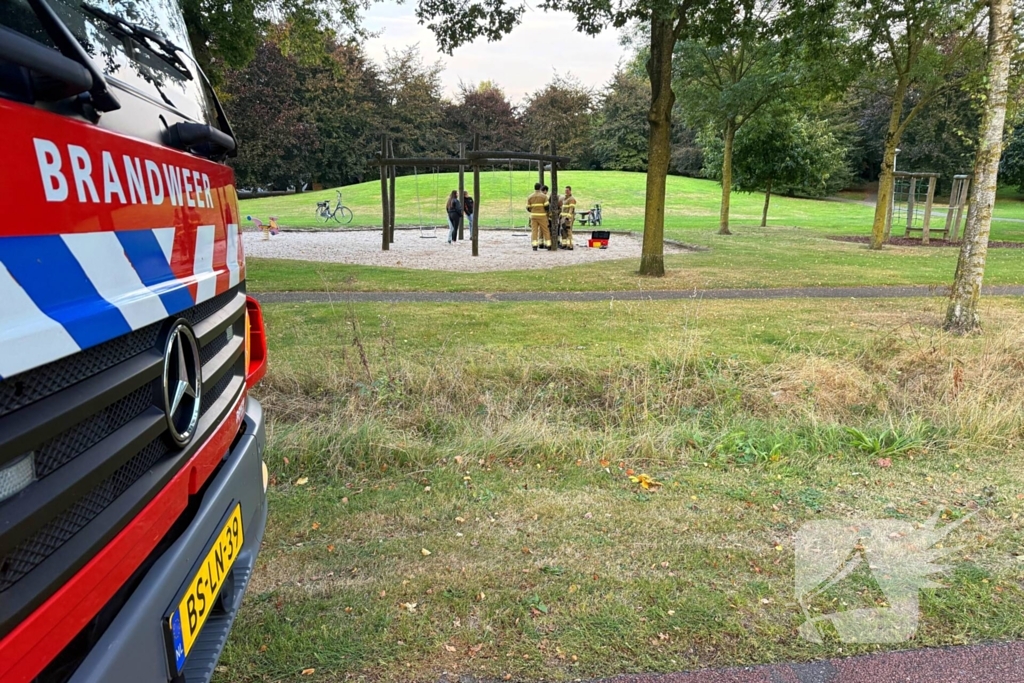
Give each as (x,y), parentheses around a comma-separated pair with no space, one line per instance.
(16,475)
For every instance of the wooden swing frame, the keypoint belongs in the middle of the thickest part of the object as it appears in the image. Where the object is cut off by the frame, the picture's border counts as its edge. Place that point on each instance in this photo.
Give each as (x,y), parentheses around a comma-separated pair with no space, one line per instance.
(474,159)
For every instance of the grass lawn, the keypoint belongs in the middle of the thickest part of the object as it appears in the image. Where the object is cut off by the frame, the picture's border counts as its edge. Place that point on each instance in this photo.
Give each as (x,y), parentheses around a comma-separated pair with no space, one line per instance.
(450,485)
(780,255)
(754,257)
(691,204)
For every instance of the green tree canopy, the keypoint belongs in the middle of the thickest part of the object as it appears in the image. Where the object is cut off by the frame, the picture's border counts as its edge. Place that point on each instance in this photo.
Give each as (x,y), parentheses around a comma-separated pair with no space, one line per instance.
(784,152)
(620,130)
(561,111)
(484,110)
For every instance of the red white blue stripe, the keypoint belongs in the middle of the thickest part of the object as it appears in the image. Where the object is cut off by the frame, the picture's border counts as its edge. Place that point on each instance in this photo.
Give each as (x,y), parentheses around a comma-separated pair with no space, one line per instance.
(64,293)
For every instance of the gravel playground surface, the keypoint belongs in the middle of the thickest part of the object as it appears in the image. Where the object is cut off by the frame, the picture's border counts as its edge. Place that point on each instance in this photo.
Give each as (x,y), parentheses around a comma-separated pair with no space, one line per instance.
(499,250)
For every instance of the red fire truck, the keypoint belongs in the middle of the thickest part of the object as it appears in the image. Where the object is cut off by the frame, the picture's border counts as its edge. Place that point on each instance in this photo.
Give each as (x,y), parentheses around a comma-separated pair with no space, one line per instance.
(132,487)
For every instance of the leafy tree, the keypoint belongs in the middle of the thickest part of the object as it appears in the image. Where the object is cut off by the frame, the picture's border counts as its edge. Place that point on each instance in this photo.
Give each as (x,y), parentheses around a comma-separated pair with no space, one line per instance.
(621,128)
(941,139)
(1011,168)
(277,137)
(300,122)
(785,153)
(962,314)
(665,23)
(343,95)
(414,109)
(225,35)
(726,83)
(620,125)
(913,47)
(562,111)
(485,110)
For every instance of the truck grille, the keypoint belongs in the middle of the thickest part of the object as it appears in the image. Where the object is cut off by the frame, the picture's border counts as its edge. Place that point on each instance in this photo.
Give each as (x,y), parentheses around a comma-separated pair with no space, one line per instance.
(96,426)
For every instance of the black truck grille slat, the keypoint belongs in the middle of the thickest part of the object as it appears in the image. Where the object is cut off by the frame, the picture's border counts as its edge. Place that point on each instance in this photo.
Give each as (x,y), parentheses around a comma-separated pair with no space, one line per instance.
(59,531)
(213,348)
(28,387)
(211,395)
(36,385)
(86,434)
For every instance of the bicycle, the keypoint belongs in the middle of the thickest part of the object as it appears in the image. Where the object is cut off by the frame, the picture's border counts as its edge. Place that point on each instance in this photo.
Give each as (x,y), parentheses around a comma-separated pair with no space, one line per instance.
(340,213)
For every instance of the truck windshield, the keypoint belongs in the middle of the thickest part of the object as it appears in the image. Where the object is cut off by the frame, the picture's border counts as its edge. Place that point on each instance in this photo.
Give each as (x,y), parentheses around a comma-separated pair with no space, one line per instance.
(135,43)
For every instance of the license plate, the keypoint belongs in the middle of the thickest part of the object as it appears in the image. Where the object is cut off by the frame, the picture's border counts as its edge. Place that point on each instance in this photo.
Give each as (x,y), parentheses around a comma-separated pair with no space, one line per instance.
(187,619)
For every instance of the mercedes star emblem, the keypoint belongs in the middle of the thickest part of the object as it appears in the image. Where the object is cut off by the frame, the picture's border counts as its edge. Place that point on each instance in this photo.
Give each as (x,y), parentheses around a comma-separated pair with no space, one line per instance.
(183,383)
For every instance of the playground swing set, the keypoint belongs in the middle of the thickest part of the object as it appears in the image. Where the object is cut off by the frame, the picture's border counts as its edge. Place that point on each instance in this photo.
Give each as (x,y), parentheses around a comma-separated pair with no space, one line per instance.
(475,159)
(912,202)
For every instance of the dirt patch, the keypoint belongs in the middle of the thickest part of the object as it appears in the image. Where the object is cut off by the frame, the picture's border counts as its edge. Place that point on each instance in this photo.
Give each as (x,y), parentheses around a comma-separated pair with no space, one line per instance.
(912,242)
(499,250)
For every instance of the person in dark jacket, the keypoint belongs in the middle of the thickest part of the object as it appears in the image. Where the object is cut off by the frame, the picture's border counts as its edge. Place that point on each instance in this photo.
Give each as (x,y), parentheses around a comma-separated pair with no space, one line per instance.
(468,207)
(454,209)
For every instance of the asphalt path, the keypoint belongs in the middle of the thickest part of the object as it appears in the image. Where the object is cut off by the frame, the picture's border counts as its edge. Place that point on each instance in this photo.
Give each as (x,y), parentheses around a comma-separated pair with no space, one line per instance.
(631,295)
(985,663)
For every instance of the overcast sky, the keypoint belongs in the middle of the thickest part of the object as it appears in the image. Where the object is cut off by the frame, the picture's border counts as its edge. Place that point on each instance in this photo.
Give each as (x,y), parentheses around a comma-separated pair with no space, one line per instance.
(545,43)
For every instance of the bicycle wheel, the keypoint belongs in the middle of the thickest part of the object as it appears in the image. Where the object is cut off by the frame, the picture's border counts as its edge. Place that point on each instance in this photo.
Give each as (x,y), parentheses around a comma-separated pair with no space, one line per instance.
(344,215)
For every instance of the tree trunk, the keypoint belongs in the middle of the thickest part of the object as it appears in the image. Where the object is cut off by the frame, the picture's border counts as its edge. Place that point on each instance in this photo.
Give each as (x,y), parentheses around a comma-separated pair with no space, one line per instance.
(962,315)
(885,178)
(767,198)
(659,116)
(723,217)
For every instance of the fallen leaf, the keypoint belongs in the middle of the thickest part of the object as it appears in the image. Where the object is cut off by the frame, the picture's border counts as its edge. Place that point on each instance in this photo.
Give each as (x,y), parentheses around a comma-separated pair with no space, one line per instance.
(316,525)
(646,482)
(424,552)
(458,459)
(344,501)
(263,648)
(308,672)
(885,462)
(605,463)
(449,648)
(330,548)
(302,481)
(476,649)
(409,607)
(460,520)
(527,551)
(286,461)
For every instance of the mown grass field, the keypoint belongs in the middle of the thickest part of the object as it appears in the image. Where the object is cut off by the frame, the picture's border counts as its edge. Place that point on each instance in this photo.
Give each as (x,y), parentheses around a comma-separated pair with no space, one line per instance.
(450,486)
(793,251)
(691,204)
(752,258)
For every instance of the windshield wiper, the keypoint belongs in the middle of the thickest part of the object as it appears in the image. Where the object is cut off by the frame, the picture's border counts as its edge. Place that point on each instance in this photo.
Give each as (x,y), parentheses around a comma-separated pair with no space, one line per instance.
(151,40)
(99,98)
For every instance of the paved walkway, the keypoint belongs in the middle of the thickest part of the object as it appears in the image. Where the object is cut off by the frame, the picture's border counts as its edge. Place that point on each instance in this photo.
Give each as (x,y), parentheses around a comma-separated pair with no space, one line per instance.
(632,295)
(991,663)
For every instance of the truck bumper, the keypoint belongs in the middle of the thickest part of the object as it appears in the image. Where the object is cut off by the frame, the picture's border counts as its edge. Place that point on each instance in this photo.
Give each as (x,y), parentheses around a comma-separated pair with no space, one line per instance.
(134,647)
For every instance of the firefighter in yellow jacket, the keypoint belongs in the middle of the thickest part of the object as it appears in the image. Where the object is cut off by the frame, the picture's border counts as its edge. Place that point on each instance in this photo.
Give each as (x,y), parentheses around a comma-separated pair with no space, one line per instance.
(537,205)
(567,216)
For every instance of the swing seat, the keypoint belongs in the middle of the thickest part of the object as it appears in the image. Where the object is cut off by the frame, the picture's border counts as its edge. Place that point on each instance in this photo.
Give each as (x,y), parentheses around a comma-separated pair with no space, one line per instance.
(428,233)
